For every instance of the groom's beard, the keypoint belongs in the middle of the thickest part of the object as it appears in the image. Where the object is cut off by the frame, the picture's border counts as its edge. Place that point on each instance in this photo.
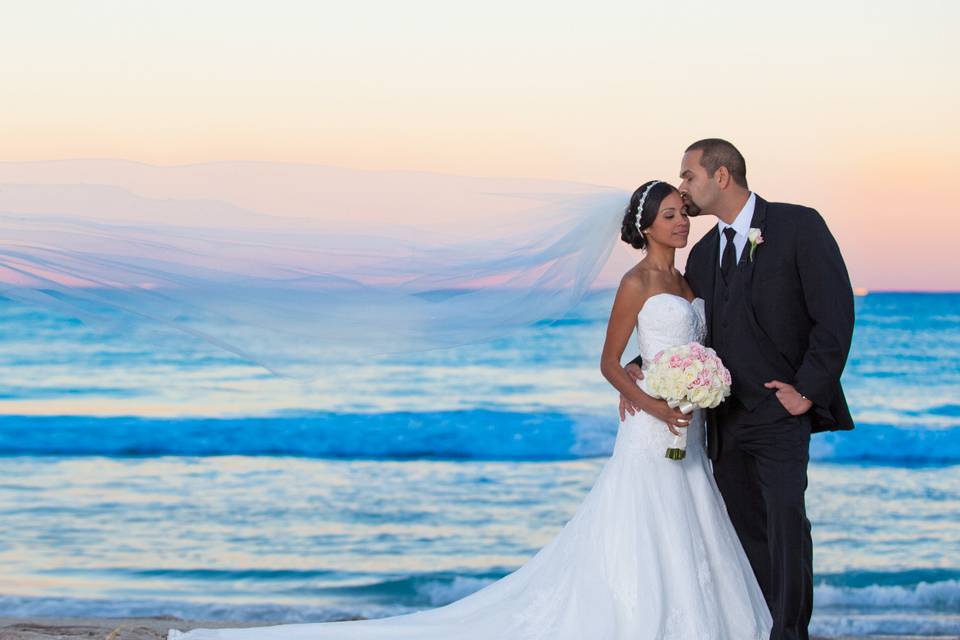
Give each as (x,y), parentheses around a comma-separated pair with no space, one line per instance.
(690,207)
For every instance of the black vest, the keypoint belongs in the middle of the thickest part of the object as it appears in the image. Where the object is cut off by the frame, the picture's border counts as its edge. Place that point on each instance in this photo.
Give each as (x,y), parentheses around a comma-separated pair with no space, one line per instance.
(734,341)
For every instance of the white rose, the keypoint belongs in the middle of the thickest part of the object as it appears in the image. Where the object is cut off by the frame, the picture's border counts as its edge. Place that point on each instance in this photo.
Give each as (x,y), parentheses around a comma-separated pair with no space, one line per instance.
(699,396)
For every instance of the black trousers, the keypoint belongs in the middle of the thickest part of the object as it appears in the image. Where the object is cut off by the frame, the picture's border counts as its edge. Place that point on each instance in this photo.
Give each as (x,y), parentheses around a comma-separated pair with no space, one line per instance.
(762,474)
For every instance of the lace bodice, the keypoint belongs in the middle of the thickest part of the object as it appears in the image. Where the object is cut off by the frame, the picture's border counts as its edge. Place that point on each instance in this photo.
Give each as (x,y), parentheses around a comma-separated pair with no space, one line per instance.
(667,320)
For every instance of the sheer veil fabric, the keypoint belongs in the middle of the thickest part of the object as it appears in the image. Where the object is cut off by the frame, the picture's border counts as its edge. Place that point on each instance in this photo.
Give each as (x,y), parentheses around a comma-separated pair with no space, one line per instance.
(292,266)
(295,266)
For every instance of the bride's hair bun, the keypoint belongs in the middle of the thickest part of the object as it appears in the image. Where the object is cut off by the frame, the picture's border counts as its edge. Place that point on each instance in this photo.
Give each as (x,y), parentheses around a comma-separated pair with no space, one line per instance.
(629,232)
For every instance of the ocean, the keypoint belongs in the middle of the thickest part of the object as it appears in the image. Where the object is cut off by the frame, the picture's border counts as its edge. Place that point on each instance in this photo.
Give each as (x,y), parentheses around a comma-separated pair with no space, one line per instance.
(148,473)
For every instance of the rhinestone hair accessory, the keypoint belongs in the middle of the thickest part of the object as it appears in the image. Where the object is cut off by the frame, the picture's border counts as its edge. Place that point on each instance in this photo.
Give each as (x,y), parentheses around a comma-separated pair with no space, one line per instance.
(643,199)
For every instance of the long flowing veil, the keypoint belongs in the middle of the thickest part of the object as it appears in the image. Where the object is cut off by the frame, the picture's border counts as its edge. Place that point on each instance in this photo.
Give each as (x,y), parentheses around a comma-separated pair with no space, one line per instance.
(294,266)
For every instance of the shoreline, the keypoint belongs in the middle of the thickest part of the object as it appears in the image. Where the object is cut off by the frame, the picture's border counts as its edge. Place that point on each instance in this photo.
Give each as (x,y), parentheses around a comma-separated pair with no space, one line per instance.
(156,627)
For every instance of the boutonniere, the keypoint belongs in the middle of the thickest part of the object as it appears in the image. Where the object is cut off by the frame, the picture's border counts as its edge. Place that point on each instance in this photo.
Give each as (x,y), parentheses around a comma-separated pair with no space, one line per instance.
(755,237)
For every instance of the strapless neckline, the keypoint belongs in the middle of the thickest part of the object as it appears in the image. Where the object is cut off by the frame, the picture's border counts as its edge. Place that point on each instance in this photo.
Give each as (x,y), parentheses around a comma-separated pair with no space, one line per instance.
(668,320)
(672,295)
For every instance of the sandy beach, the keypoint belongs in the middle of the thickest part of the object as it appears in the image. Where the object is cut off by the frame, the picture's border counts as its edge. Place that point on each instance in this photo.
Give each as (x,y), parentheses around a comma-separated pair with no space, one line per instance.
(155,628)
(152,628)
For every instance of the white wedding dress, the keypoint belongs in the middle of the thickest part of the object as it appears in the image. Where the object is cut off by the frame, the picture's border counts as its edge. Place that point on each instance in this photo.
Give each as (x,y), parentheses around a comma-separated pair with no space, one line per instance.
(649,554)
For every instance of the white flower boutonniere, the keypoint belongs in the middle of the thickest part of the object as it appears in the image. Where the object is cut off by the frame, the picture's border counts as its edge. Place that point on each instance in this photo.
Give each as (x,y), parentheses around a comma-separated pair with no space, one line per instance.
(755,237)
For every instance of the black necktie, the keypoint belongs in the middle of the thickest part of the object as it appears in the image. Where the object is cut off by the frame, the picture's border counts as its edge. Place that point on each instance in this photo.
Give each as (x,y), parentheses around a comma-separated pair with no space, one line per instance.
(729,255)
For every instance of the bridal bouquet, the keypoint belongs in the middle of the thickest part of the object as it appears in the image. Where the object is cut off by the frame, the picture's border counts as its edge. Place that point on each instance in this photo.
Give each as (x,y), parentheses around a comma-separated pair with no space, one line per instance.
(688,376)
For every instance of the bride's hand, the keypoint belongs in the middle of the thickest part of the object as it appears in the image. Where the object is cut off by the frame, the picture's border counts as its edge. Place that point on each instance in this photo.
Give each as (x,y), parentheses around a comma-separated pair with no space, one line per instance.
(674,418)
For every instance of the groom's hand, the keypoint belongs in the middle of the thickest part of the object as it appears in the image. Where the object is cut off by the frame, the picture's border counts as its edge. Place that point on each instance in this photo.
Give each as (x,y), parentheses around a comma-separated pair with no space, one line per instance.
(790,398)
(626,405)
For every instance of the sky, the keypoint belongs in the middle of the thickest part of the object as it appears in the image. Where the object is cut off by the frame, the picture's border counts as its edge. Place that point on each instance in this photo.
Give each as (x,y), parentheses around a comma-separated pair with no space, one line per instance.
(849,107)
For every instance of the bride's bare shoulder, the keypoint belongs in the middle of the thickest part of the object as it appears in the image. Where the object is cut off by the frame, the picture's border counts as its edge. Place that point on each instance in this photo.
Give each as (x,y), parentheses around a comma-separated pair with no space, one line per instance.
(637,285)
(641,279)
(636,280)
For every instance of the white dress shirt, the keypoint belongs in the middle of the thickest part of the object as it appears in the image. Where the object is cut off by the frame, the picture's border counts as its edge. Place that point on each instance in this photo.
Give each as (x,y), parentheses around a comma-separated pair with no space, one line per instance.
(741,224)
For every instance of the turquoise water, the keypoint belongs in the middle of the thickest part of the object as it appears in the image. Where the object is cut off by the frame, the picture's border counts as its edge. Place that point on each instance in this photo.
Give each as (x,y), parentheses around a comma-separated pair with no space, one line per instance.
(149,474)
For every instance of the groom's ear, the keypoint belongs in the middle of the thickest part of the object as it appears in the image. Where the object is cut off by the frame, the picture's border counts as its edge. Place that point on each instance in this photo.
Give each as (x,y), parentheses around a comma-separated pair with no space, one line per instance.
(722,177)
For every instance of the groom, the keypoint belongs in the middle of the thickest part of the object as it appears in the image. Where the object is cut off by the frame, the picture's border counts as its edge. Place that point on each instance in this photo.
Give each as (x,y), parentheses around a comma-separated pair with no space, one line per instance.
(779,310)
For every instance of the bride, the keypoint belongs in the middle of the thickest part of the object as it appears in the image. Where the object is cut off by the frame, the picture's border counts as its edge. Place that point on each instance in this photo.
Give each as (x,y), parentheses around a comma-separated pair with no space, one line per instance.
(650,553)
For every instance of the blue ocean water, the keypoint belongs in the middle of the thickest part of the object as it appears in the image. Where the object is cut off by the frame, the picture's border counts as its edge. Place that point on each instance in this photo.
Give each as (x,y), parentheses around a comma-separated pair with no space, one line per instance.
(147,473)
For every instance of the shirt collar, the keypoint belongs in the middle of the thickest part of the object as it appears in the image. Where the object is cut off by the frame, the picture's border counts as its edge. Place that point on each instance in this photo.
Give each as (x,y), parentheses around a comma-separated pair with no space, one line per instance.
(741,224)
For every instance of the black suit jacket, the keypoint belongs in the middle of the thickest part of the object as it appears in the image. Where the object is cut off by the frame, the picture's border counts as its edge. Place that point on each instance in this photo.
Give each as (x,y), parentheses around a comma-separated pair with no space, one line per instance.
(799,299)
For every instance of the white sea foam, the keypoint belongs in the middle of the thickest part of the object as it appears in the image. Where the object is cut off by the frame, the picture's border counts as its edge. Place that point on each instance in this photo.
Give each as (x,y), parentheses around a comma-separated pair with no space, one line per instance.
(442,592)
(938,596)
(833,625)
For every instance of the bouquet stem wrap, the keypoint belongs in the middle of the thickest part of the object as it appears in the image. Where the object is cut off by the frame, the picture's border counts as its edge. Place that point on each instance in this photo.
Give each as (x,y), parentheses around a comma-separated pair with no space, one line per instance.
(678,448)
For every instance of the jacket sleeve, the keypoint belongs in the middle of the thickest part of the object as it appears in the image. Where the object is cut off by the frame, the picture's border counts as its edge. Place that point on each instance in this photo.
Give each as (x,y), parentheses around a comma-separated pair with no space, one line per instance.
(828,297)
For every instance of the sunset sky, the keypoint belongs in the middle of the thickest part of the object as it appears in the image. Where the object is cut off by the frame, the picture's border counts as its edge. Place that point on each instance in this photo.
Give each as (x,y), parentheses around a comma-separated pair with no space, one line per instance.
(847,106)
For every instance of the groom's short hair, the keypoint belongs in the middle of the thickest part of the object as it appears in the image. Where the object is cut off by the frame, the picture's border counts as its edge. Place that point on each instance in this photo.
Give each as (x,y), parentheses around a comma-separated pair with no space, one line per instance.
(720,153)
